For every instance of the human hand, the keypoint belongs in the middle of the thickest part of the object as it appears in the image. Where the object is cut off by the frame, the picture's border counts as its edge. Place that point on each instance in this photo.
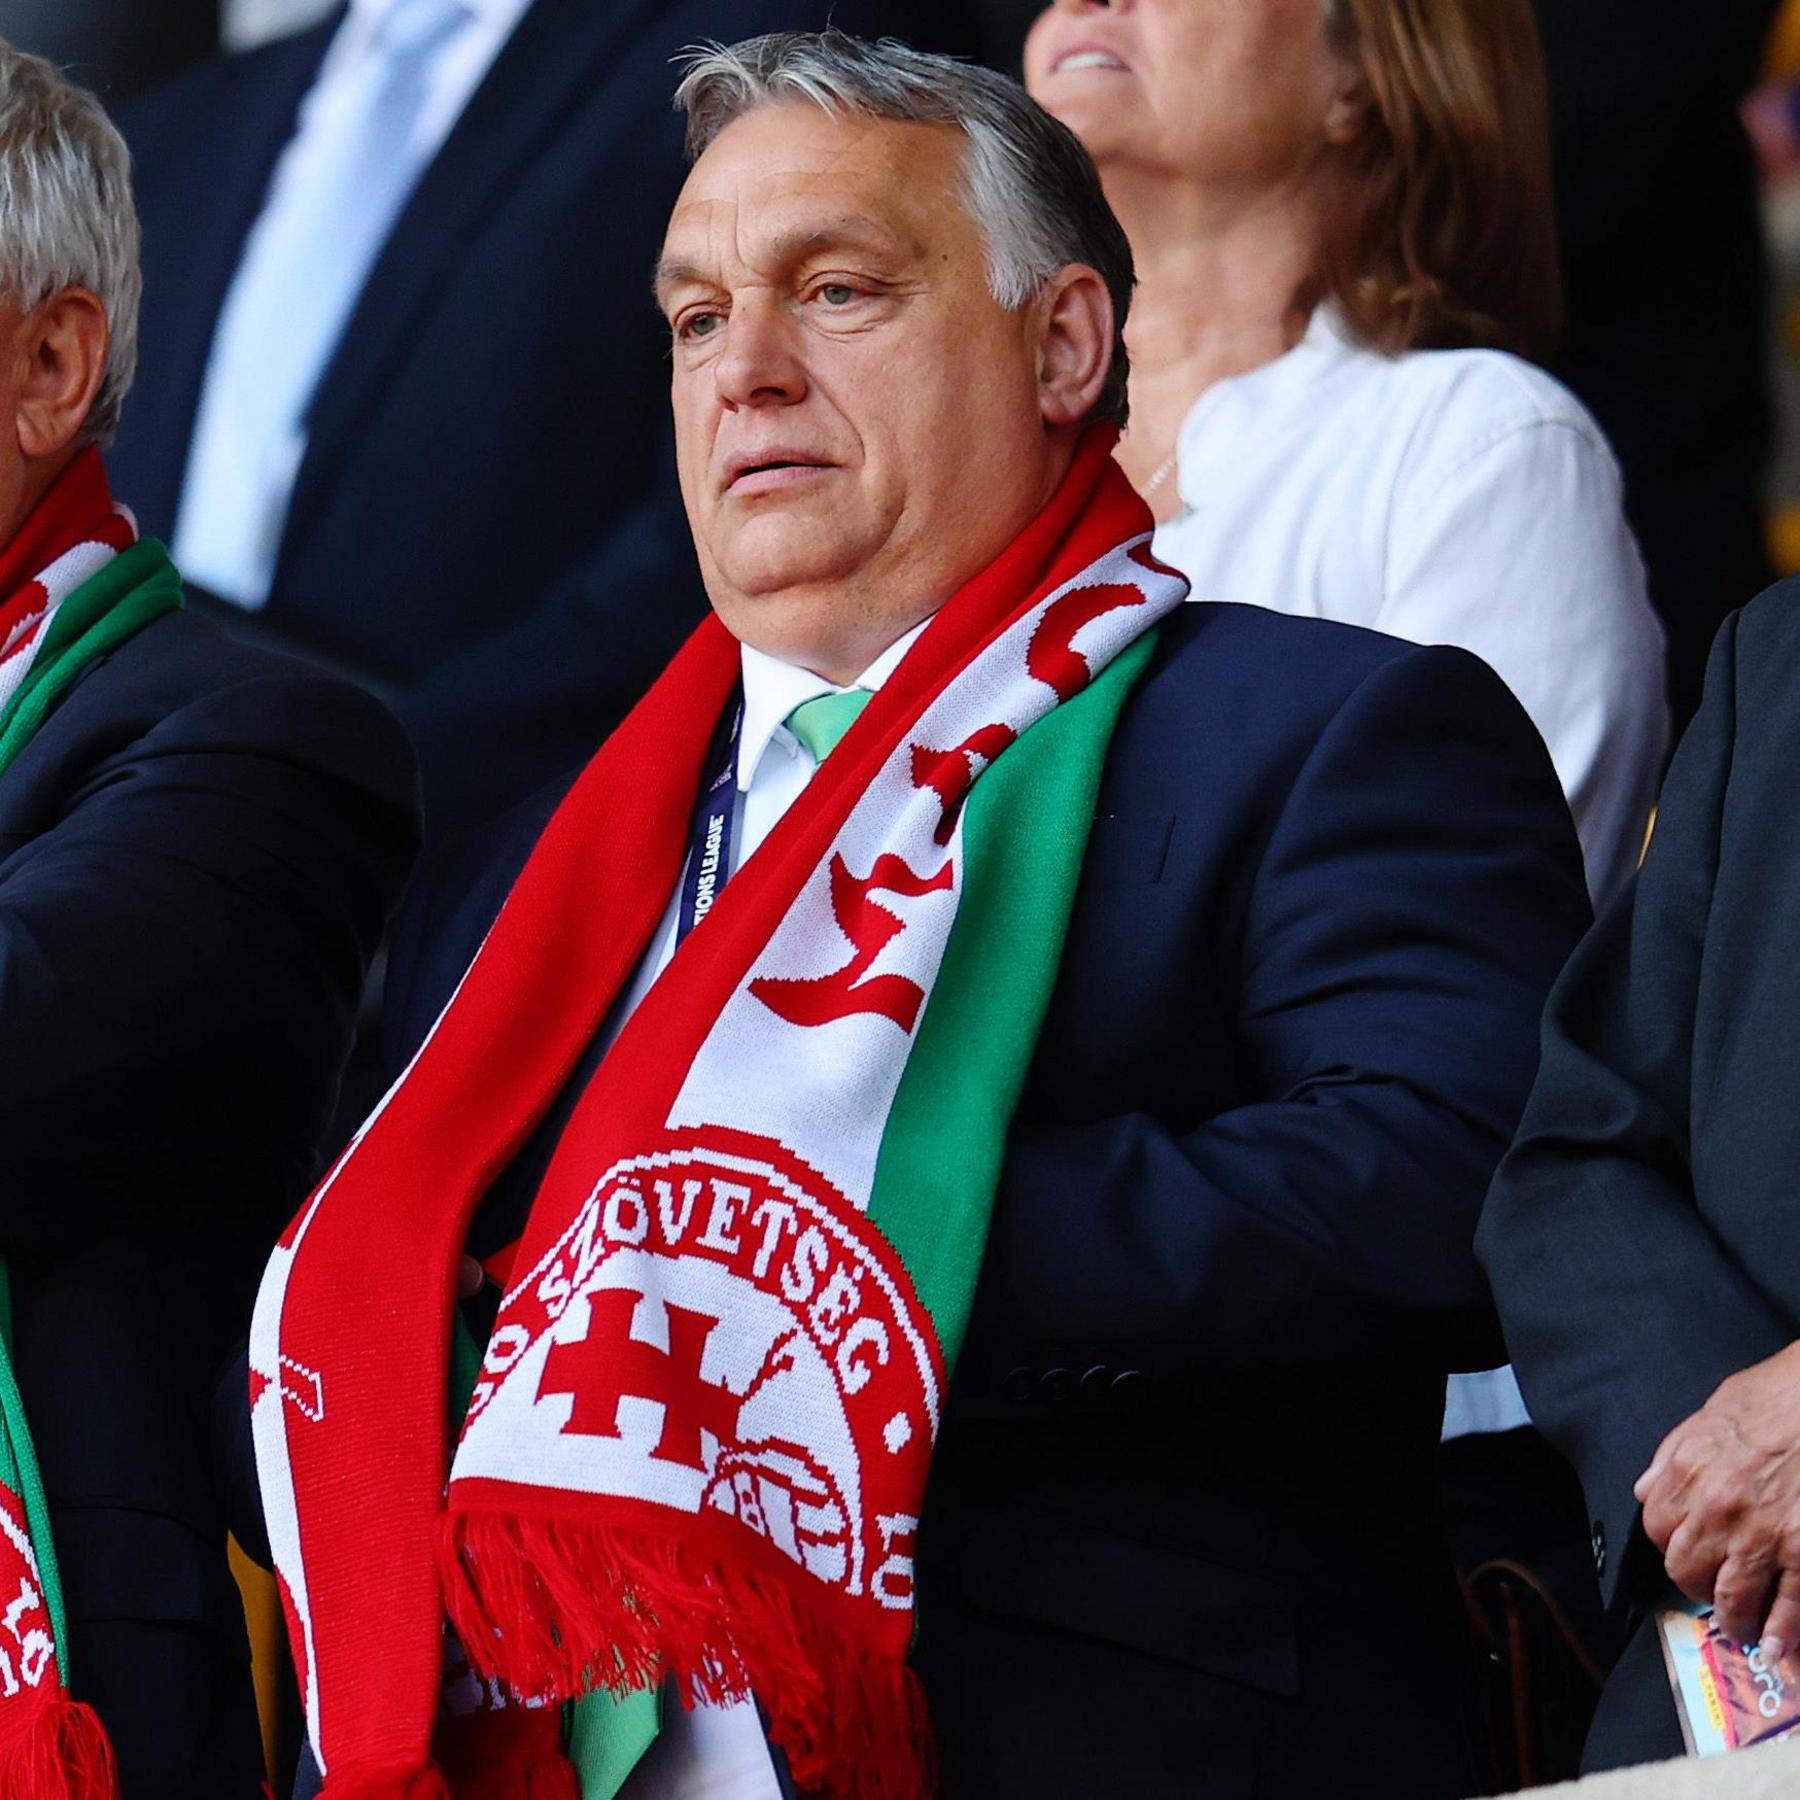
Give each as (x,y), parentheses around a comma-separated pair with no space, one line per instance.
(1721,1501)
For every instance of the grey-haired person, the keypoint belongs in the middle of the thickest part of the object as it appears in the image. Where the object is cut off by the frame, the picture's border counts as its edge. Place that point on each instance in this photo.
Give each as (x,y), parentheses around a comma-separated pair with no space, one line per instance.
(200,845)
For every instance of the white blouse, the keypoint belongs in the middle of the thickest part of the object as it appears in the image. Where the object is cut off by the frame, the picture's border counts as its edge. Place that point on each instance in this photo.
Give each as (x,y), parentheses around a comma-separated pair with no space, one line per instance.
(1447,497)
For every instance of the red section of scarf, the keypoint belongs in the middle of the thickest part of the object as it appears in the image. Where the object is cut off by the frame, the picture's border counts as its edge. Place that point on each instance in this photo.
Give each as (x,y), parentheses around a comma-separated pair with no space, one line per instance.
(77,509)
(51,1748)
(369,1475)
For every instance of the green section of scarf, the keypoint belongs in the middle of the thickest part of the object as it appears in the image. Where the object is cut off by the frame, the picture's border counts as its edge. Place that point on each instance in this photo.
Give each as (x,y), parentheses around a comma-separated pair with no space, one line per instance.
(1025,835)
(19,1472)
(138,585)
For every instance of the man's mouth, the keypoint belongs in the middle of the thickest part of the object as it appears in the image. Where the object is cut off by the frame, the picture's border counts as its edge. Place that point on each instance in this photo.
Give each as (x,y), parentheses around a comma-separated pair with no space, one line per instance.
(770,469)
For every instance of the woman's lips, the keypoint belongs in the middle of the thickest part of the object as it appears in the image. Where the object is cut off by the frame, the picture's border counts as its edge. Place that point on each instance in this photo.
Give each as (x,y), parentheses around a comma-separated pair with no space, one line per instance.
(1087,56)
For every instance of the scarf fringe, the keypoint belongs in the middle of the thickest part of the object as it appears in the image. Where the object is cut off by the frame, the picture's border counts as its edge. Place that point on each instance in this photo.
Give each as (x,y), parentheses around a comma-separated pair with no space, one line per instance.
(524,1600)
(393,1781)
(62,1754)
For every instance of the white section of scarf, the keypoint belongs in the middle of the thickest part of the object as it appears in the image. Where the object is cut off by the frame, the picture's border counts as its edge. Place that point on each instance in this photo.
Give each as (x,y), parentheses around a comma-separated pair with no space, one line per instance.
(71,570)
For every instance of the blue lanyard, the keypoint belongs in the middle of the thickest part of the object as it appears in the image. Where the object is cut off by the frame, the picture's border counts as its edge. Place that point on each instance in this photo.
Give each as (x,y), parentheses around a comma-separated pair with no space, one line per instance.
(712,844)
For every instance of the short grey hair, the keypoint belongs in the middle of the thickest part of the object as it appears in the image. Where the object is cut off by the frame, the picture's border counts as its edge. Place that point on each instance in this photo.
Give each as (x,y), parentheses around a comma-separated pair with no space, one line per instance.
(67,218)
(1031,187)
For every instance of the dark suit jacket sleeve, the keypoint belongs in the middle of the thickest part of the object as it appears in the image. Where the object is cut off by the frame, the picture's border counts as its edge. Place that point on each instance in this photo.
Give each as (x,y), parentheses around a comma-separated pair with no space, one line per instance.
(1622,1307)
(182,950)
(1418,891)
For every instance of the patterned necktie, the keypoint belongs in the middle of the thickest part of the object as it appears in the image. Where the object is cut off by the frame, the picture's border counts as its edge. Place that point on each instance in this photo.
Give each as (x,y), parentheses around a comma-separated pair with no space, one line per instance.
(820,724)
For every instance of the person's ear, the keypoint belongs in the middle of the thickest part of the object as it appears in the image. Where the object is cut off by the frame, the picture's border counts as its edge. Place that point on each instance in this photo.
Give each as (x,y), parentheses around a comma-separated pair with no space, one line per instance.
(64,345)
(1348,108)
(1075,351)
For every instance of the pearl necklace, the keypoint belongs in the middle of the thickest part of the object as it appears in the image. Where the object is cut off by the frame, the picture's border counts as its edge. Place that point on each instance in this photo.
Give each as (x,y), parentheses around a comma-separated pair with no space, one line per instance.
(1167,468)
(1164,470)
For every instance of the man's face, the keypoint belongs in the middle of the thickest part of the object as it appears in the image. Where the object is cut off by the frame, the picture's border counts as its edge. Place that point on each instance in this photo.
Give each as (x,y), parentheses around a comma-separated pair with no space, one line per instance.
(858,422)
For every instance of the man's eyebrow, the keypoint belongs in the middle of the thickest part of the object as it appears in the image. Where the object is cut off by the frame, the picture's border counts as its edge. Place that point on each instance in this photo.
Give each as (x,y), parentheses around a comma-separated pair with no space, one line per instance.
(854,231)
(670,272)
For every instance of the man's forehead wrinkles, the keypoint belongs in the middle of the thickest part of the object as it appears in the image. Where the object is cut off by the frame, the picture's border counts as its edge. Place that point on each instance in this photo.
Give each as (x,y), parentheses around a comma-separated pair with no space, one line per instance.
(691,250)
(790,239)
(712,241)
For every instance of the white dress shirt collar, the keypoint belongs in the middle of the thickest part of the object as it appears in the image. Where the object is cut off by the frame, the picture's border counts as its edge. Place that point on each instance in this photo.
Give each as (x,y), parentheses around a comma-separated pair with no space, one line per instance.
(772,689)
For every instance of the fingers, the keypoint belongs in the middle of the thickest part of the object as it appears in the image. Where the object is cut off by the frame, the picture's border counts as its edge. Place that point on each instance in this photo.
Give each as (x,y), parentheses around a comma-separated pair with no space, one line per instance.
(1668,1487)
(1742,1592)
(1659,1463)
(1693,1558)
(1781,1630)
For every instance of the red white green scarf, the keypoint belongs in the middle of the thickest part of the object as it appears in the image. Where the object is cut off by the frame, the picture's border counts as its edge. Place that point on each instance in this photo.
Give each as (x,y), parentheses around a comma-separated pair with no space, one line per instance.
(74,583)
(699,1442)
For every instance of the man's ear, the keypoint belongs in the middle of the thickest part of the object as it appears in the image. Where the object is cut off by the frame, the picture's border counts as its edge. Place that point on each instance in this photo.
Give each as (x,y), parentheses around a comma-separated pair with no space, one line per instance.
(64,344)
(1076,351)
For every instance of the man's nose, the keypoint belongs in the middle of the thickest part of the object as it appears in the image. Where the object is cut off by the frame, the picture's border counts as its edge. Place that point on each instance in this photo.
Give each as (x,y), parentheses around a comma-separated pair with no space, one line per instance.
(759,365)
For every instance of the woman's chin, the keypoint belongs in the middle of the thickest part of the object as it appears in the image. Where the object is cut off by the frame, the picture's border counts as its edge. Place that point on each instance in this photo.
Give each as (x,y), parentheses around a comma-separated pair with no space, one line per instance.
(1097,118)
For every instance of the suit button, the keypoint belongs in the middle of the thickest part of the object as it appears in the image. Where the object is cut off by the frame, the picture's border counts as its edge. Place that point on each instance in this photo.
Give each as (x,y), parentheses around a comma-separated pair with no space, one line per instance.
(1019,1386)
(1058,1385)
(1095,1384)
(1128,1388)
(1599,1549)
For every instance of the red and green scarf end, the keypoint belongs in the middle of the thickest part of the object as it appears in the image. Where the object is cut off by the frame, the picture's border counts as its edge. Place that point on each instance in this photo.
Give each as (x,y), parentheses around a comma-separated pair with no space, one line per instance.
(521,1592)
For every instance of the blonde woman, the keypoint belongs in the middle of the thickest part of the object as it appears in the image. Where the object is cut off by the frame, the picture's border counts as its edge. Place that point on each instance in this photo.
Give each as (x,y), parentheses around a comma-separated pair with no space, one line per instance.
(1343,228)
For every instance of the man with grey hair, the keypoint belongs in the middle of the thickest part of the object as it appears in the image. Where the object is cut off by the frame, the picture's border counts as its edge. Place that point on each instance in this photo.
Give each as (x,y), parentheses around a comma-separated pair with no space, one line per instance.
(338,226)
(980,1092)
(199,848)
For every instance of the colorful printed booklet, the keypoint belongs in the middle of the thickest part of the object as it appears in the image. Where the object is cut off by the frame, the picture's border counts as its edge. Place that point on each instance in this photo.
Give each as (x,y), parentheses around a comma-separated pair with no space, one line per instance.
(1727,1695)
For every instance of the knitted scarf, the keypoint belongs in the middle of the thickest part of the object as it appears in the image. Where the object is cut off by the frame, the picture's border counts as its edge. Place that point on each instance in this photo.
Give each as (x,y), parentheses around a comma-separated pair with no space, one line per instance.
(72,587)
(698,1444)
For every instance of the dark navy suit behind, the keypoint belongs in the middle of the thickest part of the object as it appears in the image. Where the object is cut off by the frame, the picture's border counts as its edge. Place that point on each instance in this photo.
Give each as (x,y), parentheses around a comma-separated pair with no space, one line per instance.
(200,849)
(485,525)
(1182,1534)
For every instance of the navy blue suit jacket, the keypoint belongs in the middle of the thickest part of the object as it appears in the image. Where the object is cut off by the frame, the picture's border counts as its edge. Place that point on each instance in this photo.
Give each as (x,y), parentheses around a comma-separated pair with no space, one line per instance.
(1182,1535)
(200,849)
(485,525)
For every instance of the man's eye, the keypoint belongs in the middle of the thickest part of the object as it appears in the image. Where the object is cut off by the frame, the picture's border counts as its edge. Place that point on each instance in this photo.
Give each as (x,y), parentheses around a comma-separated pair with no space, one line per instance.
(837,293)
(699,325)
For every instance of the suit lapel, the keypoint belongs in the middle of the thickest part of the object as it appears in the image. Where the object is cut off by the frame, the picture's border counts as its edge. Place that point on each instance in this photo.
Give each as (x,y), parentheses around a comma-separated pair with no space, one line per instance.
(549,66)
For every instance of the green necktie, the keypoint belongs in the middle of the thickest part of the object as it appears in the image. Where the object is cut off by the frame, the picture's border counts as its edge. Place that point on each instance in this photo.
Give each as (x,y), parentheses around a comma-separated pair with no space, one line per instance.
(820,724)
(609,1736)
